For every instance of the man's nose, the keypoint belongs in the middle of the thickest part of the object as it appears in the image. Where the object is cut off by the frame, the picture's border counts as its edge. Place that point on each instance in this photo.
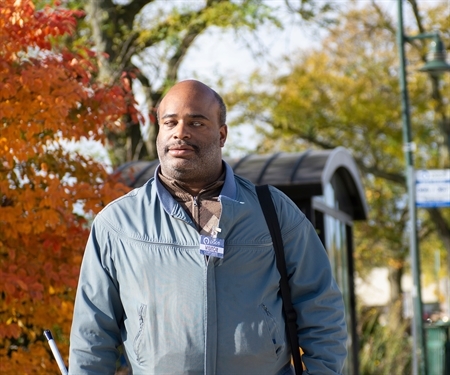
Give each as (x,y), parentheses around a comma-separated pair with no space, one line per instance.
(182,130)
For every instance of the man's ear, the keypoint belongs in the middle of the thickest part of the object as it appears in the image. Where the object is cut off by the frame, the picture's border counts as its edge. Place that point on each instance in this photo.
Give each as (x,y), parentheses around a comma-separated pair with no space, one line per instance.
(223,134)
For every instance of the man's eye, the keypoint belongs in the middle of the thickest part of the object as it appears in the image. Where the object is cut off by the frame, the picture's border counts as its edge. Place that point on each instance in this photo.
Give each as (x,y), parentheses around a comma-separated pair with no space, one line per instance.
(170,123)
(196,123)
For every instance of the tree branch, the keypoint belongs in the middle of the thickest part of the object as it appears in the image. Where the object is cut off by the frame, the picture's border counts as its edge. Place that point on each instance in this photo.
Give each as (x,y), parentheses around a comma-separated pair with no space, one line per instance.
(417,15)
(180,53)
(132,9)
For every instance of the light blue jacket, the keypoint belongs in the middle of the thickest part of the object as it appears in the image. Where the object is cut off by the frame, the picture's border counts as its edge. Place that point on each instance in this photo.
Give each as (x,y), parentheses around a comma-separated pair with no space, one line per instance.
(144,283)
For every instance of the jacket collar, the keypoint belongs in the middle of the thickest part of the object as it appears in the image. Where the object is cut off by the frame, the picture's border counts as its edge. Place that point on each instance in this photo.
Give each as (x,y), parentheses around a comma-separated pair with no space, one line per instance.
(170,205)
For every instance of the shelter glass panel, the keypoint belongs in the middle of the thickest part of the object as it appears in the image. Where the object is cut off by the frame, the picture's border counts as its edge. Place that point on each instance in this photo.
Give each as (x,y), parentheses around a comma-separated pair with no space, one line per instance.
(336,243)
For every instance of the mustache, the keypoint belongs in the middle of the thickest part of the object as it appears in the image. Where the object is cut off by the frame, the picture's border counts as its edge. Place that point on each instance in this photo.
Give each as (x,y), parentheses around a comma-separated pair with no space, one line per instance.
(182,143)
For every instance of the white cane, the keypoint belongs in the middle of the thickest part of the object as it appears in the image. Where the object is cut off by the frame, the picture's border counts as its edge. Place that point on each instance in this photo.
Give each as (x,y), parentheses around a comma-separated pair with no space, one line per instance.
(56,353)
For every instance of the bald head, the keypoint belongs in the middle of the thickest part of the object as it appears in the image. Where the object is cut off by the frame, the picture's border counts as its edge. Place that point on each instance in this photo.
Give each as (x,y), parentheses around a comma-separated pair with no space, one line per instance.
(194,88)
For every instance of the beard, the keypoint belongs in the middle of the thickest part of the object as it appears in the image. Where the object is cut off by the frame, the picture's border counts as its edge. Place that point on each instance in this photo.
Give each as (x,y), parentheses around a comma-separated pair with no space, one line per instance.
(205,164)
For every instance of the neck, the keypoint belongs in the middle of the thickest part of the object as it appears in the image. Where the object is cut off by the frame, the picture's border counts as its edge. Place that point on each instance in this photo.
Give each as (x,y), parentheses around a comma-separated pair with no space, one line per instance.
(194,186)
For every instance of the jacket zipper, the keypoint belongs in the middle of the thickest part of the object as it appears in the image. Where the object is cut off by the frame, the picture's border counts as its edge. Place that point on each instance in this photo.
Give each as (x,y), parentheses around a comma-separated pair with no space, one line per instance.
(196,215)
(196,211)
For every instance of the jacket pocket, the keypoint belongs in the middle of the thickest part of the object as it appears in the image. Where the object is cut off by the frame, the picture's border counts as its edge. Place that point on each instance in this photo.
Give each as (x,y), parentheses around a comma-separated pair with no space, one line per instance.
(273,330)
(138,339)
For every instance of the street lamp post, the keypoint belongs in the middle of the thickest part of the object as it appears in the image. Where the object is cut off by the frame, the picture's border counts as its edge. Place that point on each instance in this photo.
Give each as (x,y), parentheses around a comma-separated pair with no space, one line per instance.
(435,65)
(417,327)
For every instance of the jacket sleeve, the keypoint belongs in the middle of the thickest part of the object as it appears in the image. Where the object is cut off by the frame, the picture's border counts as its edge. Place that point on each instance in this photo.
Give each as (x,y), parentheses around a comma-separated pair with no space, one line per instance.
(95,333)
(322,331)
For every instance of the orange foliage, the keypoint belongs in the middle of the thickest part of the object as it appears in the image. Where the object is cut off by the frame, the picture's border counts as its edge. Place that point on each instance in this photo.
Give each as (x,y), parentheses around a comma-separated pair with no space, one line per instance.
(47,95)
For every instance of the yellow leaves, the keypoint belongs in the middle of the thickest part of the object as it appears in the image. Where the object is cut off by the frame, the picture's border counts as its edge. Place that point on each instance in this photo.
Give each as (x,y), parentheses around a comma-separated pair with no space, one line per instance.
(16,17)
(24,227)
(29,200)
(77,259)
(67,308)
(396,263)
(7,90)
(36,359)
(3,144)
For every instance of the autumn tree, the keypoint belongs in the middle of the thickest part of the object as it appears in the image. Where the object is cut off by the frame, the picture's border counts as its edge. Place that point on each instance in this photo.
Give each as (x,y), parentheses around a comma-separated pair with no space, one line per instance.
(47,193)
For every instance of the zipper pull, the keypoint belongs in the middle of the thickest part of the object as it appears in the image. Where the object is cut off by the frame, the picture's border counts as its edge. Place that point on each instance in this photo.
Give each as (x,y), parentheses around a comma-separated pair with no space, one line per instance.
(195,201)
(215,231)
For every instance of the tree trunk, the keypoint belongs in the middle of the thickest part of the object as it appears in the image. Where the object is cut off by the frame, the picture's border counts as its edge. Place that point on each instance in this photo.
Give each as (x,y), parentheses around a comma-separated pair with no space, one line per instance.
(395,306)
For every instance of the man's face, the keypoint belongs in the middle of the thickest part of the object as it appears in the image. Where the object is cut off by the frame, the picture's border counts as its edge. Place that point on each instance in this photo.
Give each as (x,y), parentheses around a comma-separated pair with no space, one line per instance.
(190,136)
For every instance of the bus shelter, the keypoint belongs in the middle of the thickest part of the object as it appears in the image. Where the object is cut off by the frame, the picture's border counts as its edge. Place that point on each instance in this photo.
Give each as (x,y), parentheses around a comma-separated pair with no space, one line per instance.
(326,186)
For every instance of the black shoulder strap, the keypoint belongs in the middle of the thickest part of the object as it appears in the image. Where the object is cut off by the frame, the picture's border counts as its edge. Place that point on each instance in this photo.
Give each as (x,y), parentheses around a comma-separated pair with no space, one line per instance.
(265,200)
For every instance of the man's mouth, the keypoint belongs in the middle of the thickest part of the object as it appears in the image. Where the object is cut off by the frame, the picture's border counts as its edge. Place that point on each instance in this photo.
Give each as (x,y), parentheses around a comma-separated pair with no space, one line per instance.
(181,149)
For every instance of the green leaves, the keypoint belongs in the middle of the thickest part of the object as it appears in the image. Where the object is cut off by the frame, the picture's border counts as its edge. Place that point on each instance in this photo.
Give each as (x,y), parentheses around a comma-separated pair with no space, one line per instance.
(346,93)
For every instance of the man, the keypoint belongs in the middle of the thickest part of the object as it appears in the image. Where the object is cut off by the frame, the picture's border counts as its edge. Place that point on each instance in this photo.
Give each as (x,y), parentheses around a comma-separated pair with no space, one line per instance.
(182,271)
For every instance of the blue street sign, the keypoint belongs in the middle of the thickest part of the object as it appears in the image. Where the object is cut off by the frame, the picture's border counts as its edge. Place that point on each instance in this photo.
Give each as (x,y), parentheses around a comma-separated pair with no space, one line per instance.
(433,188)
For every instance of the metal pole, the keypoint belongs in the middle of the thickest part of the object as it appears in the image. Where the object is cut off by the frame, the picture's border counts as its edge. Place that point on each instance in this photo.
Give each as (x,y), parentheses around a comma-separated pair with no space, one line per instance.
(56,353)
(419,351)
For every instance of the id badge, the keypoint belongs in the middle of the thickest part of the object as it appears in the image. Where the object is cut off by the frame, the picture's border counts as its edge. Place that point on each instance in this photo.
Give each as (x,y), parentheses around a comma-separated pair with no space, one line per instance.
(212,246)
